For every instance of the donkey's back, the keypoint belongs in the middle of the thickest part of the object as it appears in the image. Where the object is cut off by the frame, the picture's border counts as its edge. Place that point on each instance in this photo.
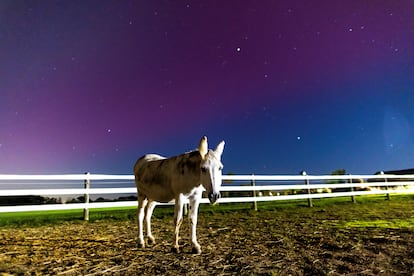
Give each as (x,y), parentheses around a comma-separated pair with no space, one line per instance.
(145,162)
(163,179)
(151,178)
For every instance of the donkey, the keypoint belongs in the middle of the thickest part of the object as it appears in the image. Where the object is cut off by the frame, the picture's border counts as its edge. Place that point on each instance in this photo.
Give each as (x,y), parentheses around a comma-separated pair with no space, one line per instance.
(180,178)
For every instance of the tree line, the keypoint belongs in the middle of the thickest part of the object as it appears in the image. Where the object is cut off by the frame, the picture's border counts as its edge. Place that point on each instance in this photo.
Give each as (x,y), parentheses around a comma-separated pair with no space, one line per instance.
(39,200)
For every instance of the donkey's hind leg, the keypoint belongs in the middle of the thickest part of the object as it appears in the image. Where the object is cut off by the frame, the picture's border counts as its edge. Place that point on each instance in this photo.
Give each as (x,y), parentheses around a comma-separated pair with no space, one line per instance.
(150,208)
(178,219)
(142,203)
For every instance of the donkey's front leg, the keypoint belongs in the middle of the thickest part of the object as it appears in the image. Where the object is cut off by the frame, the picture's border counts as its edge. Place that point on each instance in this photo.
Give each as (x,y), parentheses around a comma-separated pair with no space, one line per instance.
(194,202)
(178,219)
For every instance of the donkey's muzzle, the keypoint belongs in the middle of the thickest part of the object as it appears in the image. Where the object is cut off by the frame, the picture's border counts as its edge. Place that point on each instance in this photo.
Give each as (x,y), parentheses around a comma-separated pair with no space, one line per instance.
(213,197)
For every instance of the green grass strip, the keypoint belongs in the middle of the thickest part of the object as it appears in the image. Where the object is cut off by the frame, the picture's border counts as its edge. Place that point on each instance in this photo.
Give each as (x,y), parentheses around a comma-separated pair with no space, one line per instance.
(379,223)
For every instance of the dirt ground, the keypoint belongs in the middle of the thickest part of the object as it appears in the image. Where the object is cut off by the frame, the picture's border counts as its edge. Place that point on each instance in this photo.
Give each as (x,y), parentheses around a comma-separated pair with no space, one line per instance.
(294,242)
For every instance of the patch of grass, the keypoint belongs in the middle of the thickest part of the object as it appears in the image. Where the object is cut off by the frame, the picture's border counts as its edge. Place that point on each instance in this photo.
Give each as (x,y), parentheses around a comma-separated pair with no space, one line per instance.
(121,213)
(378,223)
(224,207)
(37,218)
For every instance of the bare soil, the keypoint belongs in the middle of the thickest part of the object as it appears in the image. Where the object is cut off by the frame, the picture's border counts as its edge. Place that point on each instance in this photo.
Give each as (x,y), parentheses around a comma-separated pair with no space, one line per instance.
(299,241)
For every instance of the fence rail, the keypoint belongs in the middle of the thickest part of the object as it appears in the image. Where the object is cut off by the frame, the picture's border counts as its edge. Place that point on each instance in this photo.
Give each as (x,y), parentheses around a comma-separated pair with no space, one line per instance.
(235,188)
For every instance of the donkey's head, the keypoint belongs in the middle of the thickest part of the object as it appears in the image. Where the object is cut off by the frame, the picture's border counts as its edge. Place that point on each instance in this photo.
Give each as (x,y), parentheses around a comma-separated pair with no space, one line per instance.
(211,168)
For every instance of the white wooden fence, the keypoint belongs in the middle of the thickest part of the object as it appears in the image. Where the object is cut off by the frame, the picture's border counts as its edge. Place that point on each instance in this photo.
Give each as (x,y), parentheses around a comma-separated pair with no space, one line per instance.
(235,188)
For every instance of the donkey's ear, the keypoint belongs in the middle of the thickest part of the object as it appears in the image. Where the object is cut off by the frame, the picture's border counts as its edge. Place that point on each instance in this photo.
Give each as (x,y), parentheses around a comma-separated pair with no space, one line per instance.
(203,147)
(219,150)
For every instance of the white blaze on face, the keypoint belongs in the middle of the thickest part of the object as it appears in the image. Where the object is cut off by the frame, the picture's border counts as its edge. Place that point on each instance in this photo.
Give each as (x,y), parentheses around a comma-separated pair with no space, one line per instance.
(211,168)
(217,180)
(216,172)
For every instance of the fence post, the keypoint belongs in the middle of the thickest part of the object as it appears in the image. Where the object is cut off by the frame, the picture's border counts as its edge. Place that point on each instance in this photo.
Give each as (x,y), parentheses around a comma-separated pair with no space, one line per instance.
(386,187)
(87,185)
(254,194)
(310,204)
(352,190)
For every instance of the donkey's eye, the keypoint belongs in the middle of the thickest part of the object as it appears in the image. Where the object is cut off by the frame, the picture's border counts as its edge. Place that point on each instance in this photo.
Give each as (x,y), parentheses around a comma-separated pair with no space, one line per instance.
(220,168)
(203,170)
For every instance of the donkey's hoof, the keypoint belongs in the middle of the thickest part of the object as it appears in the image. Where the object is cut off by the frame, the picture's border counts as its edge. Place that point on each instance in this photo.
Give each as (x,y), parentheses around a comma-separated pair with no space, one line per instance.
(175,249)
(151,241)
(196,250)
(141,245)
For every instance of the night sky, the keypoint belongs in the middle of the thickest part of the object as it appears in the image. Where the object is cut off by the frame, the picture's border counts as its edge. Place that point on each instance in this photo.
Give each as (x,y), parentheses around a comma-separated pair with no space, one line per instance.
(289,85)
